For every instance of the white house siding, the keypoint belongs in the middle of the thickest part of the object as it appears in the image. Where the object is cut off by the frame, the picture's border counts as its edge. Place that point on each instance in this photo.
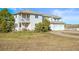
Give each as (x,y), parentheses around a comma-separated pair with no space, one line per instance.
(18,20)
(17,17)
(56,26)
(50,19)
(17,27)
(34,21)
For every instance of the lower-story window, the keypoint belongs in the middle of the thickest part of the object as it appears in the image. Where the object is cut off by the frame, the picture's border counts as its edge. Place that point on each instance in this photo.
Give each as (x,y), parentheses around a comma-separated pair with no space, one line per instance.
(19,24)
(36,16)
(16,25)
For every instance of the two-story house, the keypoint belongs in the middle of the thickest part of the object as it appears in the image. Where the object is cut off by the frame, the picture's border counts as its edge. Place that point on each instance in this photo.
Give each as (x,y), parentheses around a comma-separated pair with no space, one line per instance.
(28,19)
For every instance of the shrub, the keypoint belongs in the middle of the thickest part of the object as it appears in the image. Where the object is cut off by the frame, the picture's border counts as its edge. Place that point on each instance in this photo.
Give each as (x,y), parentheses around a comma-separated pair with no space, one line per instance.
(42,26)
(6,21)
(4,26)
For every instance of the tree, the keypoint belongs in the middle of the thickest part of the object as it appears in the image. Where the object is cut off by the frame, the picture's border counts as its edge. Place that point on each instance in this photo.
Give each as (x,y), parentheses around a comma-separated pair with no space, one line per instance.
(7,20)
(0,25)
(42,26)
(4,26)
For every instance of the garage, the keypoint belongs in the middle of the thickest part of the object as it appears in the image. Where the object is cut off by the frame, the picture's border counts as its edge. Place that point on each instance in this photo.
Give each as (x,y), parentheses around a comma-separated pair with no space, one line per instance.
(57,26)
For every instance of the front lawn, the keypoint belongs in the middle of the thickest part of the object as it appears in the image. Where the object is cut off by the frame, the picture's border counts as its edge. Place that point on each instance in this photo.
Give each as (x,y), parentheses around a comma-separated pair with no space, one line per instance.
(33,41)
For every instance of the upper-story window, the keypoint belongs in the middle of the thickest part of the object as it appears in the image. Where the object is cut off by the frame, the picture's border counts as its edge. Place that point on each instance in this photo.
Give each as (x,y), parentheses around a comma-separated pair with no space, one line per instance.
(28,16)
(36,16)
(15,16)
(23,15)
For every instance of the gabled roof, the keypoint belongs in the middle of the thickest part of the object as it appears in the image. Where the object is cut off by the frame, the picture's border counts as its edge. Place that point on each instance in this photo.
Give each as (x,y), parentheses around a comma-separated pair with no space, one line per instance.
(27,12)
(32,12)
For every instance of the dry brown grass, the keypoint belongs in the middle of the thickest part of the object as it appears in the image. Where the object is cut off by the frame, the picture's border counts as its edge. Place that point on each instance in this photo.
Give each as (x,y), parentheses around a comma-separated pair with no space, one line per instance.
(24,41)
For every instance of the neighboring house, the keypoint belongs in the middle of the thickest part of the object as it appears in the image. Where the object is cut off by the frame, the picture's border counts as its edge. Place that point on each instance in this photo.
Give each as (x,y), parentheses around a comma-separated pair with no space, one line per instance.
(72,27)
(26,20)
(57,24)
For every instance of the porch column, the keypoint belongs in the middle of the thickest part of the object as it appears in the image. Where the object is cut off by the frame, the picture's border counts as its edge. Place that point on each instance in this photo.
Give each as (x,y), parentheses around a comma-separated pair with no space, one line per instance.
(21,15)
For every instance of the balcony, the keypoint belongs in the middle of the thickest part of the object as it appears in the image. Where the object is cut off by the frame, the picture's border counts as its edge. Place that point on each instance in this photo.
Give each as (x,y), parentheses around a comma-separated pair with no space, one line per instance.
(27,20)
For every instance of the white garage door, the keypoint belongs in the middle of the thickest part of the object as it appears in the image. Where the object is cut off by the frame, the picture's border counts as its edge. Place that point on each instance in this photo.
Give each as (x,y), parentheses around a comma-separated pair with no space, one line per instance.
(57,27)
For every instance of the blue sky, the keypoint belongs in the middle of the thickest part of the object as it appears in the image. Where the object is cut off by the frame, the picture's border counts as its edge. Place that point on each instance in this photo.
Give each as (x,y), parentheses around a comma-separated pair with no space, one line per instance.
(68,15)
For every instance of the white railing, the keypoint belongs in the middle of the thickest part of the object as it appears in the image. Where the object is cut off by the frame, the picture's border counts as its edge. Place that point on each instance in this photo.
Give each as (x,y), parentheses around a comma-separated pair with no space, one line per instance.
(25,20)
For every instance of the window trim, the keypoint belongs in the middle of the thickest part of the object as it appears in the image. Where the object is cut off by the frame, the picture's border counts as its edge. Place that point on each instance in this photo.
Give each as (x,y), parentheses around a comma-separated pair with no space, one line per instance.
(23,16)
(28,15)
(36,16)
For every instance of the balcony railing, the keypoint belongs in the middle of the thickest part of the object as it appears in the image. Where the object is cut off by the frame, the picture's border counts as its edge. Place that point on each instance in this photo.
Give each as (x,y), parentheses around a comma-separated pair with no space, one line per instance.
(25,20)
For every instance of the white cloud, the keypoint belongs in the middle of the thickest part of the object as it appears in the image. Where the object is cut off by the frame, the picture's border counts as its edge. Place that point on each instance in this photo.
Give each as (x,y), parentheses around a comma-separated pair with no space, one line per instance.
(68,15)
(57,12)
